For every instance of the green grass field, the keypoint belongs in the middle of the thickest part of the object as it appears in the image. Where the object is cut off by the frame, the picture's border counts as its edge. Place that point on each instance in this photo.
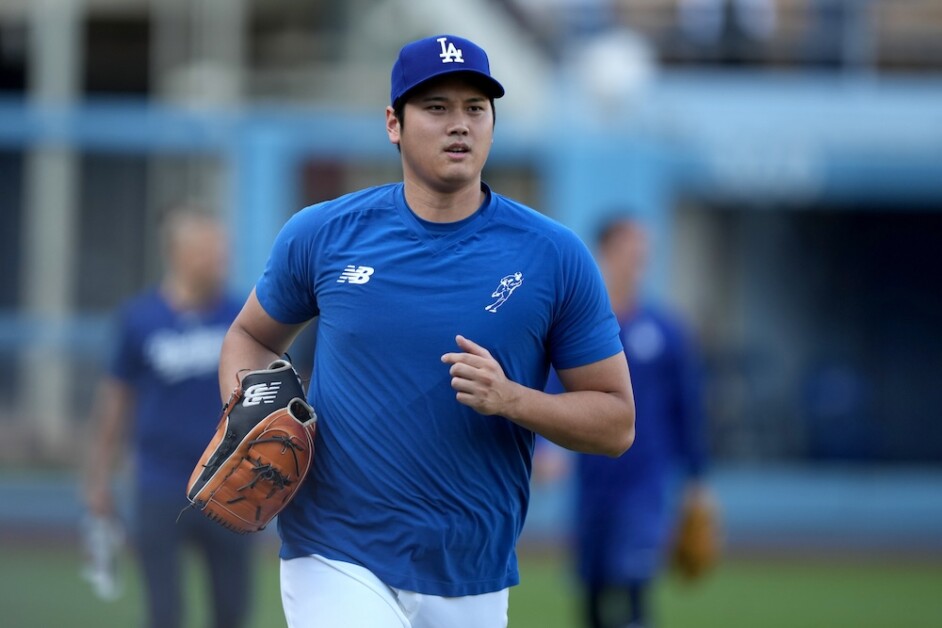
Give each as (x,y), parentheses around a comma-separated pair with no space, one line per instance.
(40,587)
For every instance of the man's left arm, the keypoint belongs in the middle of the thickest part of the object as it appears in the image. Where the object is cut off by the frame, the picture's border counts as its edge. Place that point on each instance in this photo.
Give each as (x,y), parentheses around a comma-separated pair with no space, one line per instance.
(595,415)
(688,406)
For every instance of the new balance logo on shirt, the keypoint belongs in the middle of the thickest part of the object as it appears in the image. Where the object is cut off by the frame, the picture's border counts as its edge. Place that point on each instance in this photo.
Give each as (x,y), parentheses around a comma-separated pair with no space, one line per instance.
(355,274)
(261,393)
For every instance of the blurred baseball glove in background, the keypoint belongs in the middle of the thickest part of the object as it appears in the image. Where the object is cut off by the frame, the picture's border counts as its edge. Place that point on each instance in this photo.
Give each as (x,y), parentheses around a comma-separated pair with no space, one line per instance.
(696,546)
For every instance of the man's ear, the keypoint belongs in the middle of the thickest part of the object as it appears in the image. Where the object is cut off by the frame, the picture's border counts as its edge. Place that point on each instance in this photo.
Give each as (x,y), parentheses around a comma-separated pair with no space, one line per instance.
(393,128)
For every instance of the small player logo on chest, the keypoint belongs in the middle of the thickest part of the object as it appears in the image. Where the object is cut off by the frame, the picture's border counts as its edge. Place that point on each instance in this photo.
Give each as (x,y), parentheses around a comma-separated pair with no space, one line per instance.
(505,288)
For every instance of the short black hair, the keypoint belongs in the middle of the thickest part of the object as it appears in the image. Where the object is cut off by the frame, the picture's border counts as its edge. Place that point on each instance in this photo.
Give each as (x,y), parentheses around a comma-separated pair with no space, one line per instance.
(612,221)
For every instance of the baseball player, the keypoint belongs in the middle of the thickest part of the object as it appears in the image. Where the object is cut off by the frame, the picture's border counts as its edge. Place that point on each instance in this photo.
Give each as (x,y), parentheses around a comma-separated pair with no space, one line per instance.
(429,391)
(161,385)
(625,508)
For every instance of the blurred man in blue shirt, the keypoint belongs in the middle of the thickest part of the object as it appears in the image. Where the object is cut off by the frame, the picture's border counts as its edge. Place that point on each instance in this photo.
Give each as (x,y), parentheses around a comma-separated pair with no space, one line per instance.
(161,389)
(626,507)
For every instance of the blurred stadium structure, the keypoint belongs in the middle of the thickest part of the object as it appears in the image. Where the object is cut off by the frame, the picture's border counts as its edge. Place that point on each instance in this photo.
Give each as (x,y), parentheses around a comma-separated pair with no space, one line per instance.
(787,155)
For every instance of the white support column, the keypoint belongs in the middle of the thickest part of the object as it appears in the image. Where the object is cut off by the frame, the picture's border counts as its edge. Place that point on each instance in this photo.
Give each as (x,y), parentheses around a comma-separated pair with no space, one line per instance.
(198,59)
(50,222)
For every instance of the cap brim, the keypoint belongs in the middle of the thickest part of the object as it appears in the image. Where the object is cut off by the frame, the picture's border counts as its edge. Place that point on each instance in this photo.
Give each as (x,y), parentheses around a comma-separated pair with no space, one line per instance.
(487,83)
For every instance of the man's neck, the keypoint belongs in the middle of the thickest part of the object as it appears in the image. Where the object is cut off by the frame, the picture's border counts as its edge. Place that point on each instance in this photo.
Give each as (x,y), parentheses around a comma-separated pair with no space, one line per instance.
(183,296)
(624,301)
(443,206)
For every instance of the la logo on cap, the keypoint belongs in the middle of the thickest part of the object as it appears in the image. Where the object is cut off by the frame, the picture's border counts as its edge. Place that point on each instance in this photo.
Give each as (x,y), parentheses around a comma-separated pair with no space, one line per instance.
(450,54)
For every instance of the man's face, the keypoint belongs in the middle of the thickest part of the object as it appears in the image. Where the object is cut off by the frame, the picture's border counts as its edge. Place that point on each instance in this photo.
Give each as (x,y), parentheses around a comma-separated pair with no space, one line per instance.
(200,256)
(624,256)
(446,136)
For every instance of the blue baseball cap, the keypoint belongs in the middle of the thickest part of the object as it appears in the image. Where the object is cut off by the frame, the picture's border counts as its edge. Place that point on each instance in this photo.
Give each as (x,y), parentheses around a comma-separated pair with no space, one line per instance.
(435,56)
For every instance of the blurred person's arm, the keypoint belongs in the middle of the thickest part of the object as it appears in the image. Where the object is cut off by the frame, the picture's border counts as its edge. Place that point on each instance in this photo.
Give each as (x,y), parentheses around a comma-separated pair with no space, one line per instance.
(689,408)
(112,411)
(691,434)
(253,342)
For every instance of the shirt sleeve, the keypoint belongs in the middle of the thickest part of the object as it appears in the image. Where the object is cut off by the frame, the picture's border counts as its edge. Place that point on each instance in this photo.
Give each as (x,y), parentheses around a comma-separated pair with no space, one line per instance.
(585,329)
(286,287)
(688,404)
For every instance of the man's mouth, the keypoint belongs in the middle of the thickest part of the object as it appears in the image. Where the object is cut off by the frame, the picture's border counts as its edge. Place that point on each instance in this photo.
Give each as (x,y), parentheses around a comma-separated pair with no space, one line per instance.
(457,149)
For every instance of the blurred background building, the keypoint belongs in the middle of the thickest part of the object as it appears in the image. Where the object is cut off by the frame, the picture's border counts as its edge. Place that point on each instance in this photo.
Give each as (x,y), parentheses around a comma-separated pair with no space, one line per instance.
(787,155)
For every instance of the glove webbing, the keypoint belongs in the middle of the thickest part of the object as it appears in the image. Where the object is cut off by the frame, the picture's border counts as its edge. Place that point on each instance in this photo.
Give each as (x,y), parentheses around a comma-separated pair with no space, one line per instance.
(268,472)
(286,444)
(262,471)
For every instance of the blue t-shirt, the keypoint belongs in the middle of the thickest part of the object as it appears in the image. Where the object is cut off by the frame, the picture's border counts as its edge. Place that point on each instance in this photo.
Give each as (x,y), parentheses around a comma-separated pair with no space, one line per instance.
(423,491)
(171,360)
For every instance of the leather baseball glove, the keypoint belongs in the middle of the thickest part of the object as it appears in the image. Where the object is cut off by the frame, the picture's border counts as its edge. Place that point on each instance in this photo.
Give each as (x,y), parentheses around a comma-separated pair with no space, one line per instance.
(260,454)
(697,539)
